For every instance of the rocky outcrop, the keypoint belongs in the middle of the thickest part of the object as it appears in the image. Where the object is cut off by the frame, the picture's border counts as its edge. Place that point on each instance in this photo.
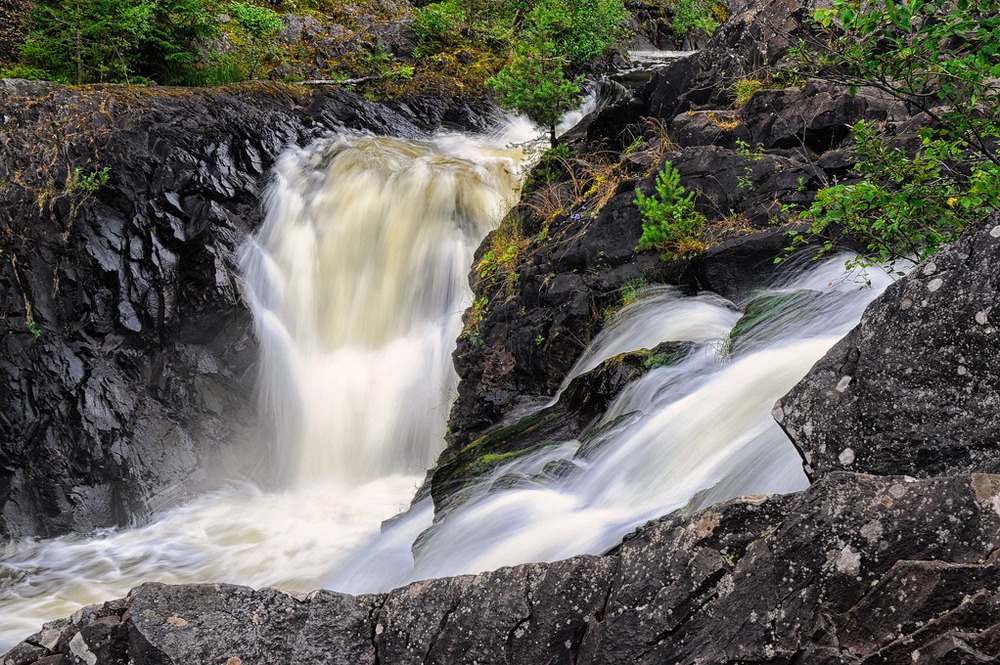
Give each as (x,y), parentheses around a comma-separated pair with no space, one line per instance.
(126,354)
(855,570)
(914,387)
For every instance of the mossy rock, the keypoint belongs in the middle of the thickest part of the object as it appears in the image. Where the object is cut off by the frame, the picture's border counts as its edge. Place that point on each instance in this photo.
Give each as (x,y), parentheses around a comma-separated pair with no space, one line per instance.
(579,408)
(768,315)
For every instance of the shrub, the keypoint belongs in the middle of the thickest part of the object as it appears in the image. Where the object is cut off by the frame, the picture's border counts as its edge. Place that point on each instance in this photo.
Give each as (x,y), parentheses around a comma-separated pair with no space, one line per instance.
(438,25)
(744,89)
(903,206)
(939,56)
(257,37)
(670,222)
(689,16)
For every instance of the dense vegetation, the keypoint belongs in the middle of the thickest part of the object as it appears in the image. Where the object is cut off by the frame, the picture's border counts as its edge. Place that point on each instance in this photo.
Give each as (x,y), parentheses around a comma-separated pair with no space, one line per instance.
(532,53)
(908,193)
(941,57)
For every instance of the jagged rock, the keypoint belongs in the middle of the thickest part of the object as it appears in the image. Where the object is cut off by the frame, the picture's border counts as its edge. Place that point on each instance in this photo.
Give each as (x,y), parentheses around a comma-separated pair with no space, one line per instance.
(815,117)
(914,387)
(857,569)
(126,354)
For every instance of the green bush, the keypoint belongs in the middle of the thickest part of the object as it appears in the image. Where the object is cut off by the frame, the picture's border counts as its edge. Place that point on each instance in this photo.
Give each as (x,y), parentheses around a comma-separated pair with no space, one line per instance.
(257,36)
(25,72)
(941,57)
(580,29)
(690,16)
(438,25)
(904,205)
(670,222)
(116,40)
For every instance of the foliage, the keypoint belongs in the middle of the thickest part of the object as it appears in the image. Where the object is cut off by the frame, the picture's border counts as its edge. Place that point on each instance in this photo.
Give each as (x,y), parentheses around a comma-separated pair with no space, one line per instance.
(553,39)
(535,83)
(941,57)
(690,16)
(580,29)
(926,52)
(82,183)
(33,328)
(86,41)
(750,156)
(438,25)
(631,290)
(670,222)
(498,265)
(745,88)
(176,27)
(24,72)
(116,40)
(904,205)
(256,37)
(549,169)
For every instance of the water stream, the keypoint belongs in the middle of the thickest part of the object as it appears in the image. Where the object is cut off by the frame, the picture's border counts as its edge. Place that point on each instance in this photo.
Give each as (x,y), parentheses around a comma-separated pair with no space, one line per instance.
(357,282)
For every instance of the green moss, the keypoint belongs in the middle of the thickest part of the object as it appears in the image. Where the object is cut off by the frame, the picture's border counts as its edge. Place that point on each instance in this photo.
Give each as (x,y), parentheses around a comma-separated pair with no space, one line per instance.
(767,315)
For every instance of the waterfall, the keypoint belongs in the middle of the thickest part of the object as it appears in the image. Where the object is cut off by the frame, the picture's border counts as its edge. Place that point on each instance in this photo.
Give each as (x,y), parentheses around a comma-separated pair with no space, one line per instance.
(357,282)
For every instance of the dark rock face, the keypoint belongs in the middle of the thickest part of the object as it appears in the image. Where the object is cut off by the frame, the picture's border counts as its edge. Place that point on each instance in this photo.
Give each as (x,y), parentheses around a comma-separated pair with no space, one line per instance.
(126,354)
(566,280)
(913,389)
(857,569)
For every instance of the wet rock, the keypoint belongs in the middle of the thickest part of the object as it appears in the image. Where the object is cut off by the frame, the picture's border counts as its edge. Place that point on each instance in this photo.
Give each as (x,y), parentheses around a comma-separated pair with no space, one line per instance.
(856,569)
(767,315)
(908,390)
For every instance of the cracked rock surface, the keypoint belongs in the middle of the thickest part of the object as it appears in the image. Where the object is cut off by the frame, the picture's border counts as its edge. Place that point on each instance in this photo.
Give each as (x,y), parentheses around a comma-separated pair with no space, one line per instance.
(857,569)
(913,389)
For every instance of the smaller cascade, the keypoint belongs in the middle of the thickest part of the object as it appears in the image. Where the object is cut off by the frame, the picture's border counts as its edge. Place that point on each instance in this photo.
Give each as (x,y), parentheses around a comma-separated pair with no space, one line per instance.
(692,432)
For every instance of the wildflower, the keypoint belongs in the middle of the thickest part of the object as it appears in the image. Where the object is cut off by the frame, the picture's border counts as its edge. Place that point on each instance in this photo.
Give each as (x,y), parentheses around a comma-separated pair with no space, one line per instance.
(952,201)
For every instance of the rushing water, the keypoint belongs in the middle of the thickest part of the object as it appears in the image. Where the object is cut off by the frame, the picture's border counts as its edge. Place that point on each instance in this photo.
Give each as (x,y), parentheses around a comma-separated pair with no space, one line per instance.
(357,282)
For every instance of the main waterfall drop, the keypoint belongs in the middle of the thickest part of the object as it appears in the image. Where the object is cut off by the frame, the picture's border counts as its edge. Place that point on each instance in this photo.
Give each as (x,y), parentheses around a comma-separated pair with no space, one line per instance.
(357,283)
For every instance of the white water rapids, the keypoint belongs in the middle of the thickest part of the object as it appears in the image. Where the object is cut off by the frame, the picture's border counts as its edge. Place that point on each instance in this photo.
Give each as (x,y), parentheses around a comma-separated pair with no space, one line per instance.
(357,282)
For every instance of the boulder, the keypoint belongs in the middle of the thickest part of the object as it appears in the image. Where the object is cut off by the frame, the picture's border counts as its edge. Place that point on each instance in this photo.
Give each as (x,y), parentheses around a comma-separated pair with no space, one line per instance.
(857,569)
(914,388)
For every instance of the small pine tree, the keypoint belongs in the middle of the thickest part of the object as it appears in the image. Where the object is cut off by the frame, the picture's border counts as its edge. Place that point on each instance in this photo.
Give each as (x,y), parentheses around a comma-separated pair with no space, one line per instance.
(535,83)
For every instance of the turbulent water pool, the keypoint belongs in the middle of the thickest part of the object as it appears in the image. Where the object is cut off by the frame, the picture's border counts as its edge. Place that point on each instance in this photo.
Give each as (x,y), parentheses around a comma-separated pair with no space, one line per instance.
(357,281)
